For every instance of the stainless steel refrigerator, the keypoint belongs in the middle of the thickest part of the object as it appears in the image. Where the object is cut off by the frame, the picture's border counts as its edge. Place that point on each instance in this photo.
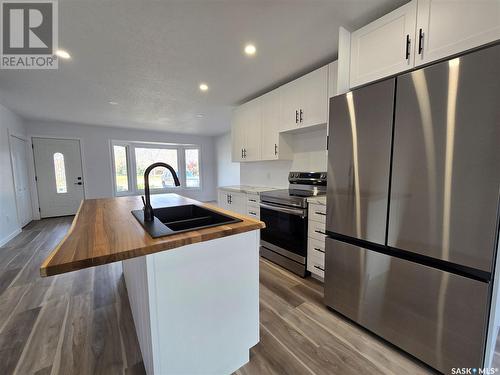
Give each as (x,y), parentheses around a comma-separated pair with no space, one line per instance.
(413,207)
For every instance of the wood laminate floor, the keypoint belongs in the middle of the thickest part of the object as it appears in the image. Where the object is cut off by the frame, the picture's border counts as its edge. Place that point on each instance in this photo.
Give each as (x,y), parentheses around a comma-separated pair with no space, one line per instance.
(81,323)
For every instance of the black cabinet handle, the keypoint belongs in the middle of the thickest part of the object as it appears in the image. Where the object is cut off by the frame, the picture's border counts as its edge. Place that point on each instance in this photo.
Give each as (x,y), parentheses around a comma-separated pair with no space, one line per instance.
(252,213)
(242,153)
(420,41)
(318,249)
(245,153)
(319,268)
(407,46)
(320,213)
(78,183)
(230,199)
(275,149)
(320,232)
(301,113)
(296,116)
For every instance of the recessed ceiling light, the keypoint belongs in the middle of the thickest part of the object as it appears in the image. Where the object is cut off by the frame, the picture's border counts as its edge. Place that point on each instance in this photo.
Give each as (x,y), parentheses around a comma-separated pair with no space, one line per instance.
(63,54)
(113,103)
(203,87)
(250,49)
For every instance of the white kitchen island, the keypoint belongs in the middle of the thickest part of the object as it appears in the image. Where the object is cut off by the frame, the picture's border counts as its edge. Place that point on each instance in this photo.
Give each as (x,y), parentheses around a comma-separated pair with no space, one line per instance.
(196,307)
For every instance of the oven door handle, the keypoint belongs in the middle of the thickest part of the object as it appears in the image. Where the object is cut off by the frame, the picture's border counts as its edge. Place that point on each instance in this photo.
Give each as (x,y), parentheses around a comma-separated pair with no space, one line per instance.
(292,211)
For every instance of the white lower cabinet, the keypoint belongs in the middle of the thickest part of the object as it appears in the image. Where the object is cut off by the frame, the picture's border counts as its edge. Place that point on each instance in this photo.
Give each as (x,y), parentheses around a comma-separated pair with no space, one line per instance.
(232,201)
(241,203)
(316,240)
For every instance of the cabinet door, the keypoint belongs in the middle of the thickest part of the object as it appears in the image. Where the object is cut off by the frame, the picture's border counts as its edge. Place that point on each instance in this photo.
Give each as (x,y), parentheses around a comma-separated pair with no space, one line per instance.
(450,27)
(290,104)
(313,89)
(238,203)
(252,130)
(271,123)
(383,47)
(223,200)
(237,134)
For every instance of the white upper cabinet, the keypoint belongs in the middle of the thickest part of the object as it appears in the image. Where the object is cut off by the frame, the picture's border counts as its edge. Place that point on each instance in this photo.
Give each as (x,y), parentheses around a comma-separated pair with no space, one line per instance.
(274,146)
(383,47)
(259,127)
(245,131)
(421,32)
(314,107)
(290,104)
(445,27)
(304,101)
(238,134)
(253,127)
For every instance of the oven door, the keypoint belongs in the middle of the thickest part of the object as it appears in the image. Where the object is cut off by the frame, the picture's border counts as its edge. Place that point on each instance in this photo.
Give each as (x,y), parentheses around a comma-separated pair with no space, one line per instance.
(285,231)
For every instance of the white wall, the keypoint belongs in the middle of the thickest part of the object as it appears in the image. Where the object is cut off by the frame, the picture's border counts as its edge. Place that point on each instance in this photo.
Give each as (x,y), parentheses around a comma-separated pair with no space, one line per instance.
(9,225)
(95,141)
(309,154)
(228,173)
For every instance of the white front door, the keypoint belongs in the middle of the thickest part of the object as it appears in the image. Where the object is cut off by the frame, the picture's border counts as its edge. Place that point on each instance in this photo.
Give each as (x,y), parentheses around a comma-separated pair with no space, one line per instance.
(58,168)
(18,151)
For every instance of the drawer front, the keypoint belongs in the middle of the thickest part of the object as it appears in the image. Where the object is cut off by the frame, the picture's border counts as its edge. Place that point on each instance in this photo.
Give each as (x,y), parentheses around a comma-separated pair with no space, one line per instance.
(316,248)
(317,213)
(316,266)
(253,200)
(317,231)
(253,212)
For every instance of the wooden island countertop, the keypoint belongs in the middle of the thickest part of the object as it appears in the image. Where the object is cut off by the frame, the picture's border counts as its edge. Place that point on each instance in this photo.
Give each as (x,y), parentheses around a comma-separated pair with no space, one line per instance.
(105,231)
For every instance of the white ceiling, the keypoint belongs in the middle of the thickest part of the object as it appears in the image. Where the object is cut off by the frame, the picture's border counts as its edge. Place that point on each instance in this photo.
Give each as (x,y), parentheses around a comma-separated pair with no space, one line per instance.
(150,56)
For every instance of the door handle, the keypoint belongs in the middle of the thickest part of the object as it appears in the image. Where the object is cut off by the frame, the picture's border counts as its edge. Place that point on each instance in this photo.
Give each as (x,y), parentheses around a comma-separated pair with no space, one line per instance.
(407,46)
(420,41)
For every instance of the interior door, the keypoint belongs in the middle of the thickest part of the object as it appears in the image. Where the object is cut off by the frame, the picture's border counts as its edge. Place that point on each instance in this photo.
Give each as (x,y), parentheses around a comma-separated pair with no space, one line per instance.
(18,149)
(58,167)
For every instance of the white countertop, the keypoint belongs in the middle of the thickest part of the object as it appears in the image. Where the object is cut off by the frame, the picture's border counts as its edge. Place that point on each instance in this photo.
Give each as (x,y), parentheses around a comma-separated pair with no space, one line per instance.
(246,189)
(317,200)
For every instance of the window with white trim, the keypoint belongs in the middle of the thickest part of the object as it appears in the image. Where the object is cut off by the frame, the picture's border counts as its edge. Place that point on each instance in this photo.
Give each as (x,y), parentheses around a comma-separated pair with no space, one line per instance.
(130,160)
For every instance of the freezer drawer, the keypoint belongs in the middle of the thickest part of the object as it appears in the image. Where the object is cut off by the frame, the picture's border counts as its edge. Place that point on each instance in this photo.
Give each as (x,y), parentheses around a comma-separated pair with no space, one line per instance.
(359,157)
(446,174)
(436,316)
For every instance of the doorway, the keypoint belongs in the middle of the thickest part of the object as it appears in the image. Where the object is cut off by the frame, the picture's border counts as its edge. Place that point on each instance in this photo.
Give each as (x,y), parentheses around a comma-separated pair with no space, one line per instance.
(18,154)
(59,178)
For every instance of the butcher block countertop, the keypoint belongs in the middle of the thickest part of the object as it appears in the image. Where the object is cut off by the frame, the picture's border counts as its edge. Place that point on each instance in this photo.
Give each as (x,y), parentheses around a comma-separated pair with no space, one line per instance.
(104,231)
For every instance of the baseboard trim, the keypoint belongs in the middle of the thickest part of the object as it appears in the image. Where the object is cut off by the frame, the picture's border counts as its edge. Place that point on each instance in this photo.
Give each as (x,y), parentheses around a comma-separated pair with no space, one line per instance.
(4,240)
